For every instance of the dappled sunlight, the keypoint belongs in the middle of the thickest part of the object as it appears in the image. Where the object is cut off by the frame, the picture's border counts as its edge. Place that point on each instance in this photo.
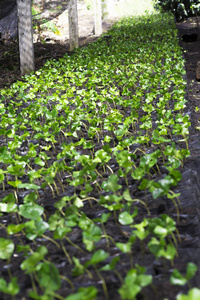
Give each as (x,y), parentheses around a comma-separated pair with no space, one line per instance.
(133,7)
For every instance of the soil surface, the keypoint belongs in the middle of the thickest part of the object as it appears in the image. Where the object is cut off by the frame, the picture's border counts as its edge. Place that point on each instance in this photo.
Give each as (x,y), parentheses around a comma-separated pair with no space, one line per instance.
(188,225)
(52,46)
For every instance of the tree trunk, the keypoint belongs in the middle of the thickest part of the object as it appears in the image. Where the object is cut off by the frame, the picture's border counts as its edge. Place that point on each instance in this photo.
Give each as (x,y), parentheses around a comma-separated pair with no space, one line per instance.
(73,24)
(25,33)
(98,17)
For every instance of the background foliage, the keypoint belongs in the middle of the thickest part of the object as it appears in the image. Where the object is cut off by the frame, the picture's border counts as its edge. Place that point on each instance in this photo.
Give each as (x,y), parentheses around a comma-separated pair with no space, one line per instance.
(180,8)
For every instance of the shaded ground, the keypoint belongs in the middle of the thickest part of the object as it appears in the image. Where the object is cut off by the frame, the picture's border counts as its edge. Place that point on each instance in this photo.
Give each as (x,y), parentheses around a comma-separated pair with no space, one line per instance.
(192,56)
(188,225)
(9,54)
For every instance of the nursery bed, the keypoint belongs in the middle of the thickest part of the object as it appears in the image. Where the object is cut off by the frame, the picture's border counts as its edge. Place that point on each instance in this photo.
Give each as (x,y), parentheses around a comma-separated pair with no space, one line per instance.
(80,234)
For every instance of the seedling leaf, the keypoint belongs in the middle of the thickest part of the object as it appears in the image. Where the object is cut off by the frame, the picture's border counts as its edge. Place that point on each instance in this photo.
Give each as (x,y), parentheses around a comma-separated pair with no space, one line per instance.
(6,248)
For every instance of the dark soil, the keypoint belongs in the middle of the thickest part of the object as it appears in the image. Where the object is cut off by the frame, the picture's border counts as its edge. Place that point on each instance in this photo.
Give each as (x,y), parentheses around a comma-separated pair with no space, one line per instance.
(9,53)
(188,225)
(9,57)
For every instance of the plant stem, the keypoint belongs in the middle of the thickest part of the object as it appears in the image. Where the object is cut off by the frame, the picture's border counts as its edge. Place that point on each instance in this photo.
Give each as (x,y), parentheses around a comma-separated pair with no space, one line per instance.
(74,245)
(108,237)
(67,280)
(51,240)
(66,253)
(103,283)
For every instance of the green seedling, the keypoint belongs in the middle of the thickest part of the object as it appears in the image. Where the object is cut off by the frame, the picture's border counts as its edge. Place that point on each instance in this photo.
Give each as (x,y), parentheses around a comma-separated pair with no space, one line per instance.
(48,276)
(78,268)
(193,294)
(8,204)
(6,248)
(30,263)
(104,219)
(98,257)
(30,211)
(91,234)
(112,267)
(12,288)
(134,281)
(124,247)
(161,249)
(178,279)
(111,185)
(84,293)
(80,129)
(141,231)
(146,163)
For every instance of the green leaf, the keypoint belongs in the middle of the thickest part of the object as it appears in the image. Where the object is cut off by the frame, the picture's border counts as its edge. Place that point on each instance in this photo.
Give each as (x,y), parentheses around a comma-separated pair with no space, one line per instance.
(138,173)
(111,265)
(10,198)
(161,231)
(99,256)
(28,186)
(2,177)
(129,291)
(134,280)
(193,294)
(158,192)
(125,218)
(88,244)
(15,183)
(48,276)
(61,232)
(31,198)
(30,211)
(12,228)
(177,279)
(155,246)
(111,185)
(60,204)
(93,233)
(144,184)
(12,288)
(126,195)
(142,232)
(8,207)
(105,217)
(35,228)
(30,263)
(78,269)
(78,202)
(124,247)
(6,248)
(191,270)
(144,279)
(84,293)
(107,139)
(101,156)
(39,161)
